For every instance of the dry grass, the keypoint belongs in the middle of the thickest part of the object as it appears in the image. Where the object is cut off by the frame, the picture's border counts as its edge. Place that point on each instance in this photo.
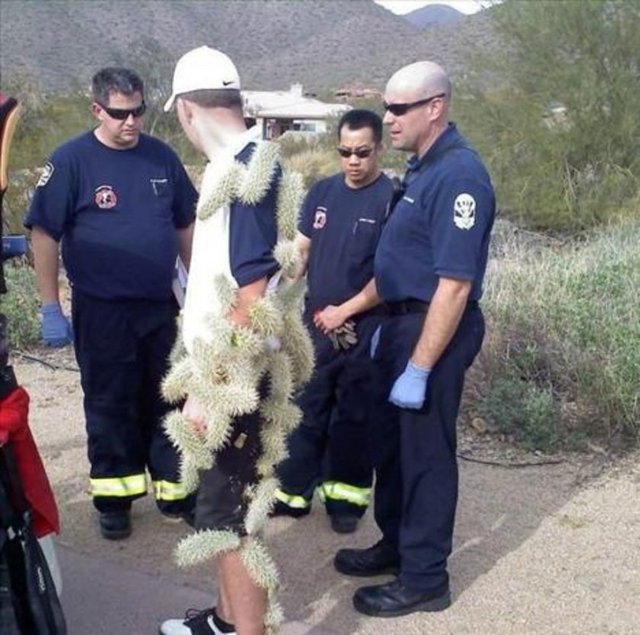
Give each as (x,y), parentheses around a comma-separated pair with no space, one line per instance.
(565,328)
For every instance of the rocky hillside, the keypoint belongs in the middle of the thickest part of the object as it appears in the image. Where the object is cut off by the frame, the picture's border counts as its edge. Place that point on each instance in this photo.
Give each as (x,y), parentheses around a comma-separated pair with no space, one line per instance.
(322,44)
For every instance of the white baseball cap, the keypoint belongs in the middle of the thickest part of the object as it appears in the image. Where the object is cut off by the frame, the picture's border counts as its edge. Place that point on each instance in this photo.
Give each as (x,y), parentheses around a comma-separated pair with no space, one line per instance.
(203,68)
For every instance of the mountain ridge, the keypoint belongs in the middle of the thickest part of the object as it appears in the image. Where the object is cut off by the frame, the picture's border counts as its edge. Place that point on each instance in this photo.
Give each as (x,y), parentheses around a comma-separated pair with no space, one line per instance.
(274,43)
(433,15)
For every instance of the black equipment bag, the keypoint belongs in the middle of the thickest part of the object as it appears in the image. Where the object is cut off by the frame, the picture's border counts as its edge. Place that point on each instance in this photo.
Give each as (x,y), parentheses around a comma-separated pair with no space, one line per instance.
(29,603)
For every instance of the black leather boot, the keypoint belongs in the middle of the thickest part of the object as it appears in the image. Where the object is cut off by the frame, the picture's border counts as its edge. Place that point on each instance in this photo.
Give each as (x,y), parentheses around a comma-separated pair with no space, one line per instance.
(393,600)
(377,560)
(115,525)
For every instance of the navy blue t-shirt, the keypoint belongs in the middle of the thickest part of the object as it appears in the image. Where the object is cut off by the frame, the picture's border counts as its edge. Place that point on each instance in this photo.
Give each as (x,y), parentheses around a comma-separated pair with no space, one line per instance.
(441,225)
(344,225)
(253,231)
(116,212)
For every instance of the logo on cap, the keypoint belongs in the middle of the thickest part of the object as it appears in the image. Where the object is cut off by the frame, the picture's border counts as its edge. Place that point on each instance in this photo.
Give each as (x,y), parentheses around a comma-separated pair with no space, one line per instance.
(202,68)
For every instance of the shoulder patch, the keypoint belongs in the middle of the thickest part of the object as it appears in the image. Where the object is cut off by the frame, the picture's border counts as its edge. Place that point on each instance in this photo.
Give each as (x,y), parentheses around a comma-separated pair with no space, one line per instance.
(464,211)
(320,218)
(47,172)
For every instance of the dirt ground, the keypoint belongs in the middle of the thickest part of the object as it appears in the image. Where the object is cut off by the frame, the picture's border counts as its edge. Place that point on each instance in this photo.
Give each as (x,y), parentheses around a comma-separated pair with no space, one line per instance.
(542,544)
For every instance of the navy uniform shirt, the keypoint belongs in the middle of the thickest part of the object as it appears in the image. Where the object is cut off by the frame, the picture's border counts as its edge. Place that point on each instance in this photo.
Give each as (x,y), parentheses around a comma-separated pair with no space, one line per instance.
(344,226)
(253,231)
(441,225)
(116,212)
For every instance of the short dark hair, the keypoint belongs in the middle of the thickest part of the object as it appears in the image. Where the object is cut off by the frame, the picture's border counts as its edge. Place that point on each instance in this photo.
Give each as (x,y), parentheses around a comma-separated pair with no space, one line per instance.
(115,79)
(361,118)
(215,98)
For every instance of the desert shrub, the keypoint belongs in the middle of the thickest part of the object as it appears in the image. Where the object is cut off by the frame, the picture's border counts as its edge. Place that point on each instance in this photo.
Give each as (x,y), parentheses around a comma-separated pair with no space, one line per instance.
(554,111)
(313,161)
(523,410)
(564,328)
(17,198)
(20,304)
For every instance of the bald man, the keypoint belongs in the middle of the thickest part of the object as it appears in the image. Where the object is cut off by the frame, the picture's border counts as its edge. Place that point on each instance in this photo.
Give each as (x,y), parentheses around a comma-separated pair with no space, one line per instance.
(429,268)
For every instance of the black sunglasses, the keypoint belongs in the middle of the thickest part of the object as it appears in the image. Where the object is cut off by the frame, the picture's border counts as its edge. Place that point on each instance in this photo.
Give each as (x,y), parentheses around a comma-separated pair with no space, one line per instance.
(361,153)
(397,110)
(123,113)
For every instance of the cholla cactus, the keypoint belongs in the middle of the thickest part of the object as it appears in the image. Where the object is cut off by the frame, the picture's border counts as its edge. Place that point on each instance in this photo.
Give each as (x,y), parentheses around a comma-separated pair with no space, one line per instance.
(290,195)
(259,173)
(203,545)
(225,371)
(263,498)
(223,191)
(288,256)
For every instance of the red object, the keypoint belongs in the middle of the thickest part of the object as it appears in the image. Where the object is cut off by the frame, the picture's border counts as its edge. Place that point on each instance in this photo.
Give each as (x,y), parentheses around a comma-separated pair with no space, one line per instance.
(14,429)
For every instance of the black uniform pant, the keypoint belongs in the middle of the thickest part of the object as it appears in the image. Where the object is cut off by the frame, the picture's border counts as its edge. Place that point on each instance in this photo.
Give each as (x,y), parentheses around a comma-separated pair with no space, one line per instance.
(414,451)
(329,445)
(122,348)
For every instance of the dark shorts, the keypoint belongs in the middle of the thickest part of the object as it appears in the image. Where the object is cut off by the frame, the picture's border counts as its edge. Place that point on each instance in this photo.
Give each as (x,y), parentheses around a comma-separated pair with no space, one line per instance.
(222,500)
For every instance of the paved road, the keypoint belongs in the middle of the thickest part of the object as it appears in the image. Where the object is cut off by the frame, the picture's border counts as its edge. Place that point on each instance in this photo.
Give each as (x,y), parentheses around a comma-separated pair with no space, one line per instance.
(103,598)
(536,550)
(570,568)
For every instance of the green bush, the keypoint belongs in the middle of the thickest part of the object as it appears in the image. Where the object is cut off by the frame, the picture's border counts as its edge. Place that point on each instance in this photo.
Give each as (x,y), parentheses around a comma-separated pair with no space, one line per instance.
(20,304)
(313,160)
(17,198)
(564,324)
(523,410)
(554,113)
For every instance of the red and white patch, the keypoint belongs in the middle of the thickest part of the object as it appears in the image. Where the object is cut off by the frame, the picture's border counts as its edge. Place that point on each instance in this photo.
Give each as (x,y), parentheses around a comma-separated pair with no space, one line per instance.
(106,198)
(320,219)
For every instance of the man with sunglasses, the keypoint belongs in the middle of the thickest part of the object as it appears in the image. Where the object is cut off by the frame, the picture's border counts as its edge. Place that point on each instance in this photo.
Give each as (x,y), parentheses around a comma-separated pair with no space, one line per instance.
(122,205)
(339,228)
(429,270)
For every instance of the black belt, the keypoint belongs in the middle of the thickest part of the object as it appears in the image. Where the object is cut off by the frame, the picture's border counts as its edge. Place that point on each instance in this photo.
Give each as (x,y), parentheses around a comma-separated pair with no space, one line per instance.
(381,309)
(417,306)
(407,306)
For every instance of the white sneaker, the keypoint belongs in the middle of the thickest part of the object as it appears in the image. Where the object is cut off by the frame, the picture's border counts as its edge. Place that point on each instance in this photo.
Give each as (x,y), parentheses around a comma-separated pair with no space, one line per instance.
(197,623)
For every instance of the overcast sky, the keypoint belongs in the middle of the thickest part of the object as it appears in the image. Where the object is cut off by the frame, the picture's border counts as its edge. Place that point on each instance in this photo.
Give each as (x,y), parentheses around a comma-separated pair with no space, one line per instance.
(406,6)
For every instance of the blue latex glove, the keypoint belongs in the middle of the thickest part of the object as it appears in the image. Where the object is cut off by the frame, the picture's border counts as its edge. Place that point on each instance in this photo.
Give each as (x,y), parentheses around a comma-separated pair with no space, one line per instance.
(375,340)
(410,388)
(56,330)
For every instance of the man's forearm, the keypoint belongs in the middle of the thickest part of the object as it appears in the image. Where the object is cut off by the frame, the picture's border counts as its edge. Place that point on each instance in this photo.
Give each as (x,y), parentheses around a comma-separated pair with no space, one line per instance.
(366,299)
(45,254)
(333,317)
(442,320)
(185,240)
(303,245)
(246,297)
(301,268)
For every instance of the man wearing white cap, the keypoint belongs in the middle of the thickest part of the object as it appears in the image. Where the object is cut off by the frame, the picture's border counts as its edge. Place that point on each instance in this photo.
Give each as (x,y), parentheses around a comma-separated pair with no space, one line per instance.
(232,363)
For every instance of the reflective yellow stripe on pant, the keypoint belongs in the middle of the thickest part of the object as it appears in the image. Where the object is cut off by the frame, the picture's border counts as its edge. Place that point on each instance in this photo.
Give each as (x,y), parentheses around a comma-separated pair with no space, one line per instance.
(333,490)
(120,487)
(168,491)
(293,501)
